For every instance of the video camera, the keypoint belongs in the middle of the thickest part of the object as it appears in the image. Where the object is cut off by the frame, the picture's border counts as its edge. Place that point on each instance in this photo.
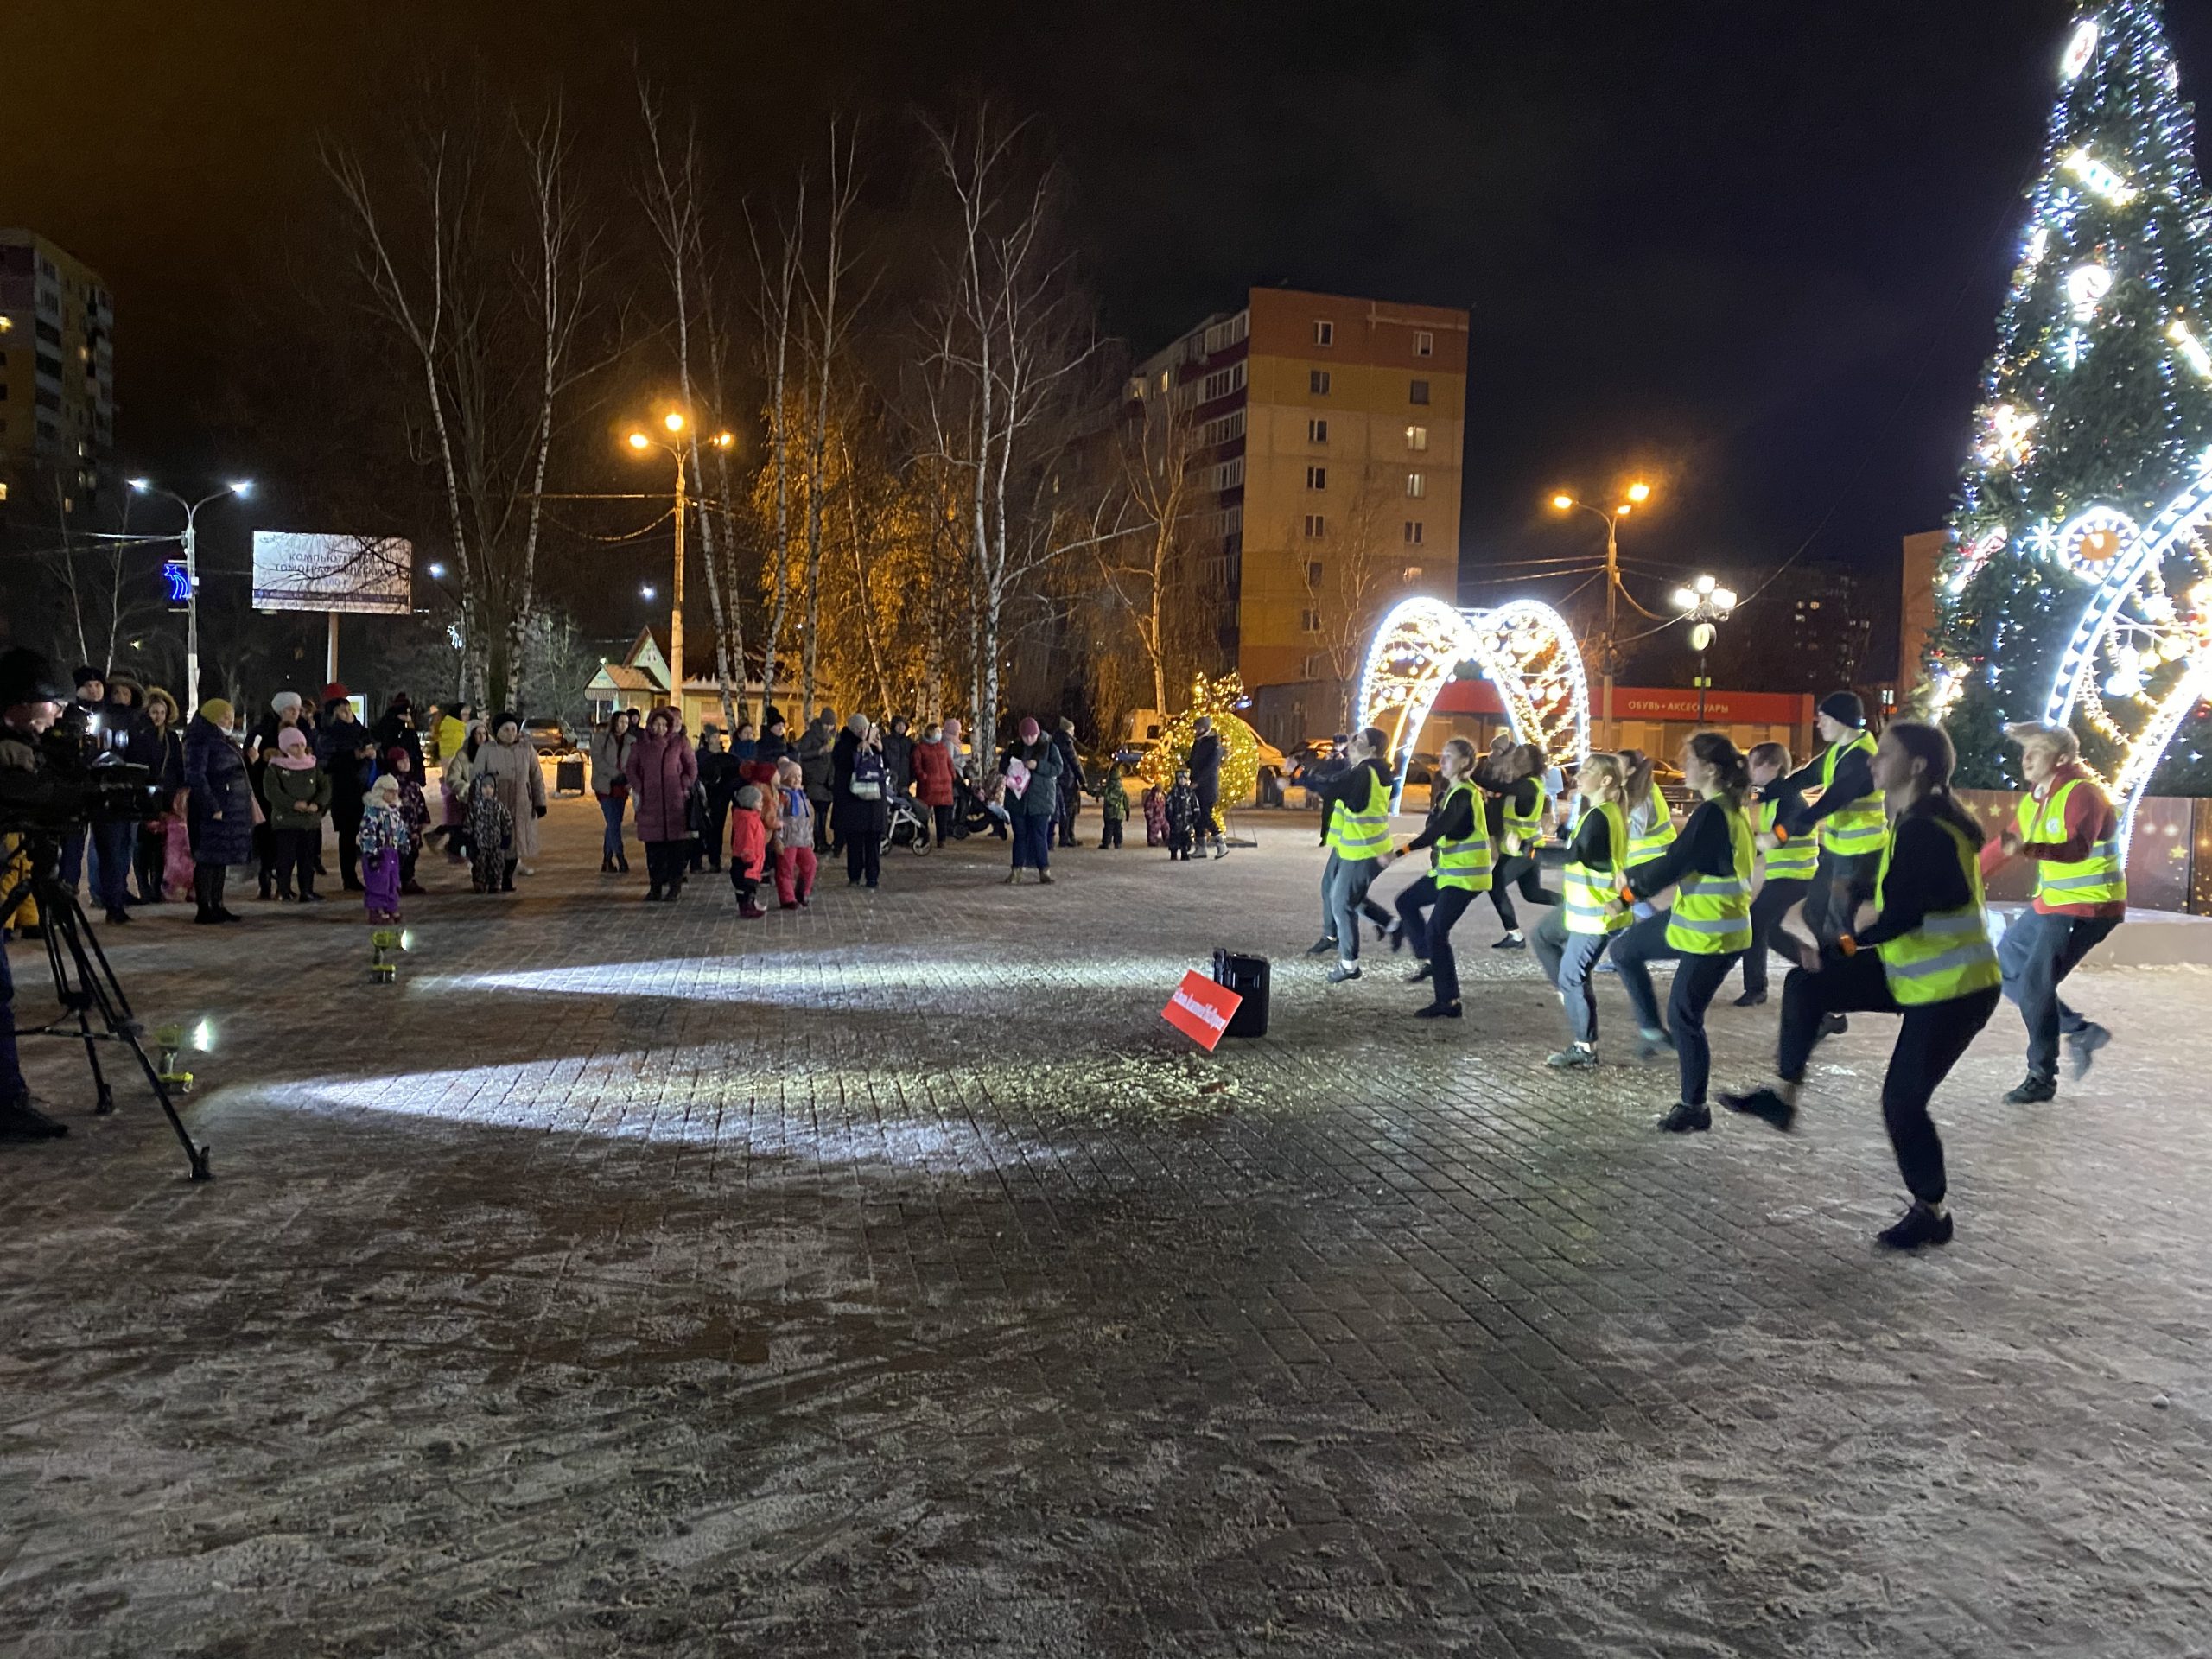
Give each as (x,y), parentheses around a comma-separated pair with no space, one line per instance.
(77,780)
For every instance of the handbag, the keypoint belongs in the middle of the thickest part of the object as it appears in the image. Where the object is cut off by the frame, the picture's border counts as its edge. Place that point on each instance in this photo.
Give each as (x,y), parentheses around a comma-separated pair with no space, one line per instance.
(865,788)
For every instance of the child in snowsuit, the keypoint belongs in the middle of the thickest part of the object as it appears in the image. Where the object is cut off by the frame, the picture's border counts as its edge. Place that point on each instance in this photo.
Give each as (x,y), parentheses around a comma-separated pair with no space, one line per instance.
(382,839)
(795,859)
(1113,807)
(1183,814)
(491,837)
(414,813)
(748,852)
(1155,816)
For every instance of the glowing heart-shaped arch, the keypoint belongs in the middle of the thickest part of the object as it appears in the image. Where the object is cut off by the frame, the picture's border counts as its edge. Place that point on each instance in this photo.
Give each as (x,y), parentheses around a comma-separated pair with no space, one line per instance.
(1525,649)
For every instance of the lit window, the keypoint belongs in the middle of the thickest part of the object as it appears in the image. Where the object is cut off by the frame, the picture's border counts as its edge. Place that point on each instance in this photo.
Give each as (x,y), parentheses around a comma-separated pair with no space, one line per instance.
(1424,343)
(1316,527)
(1317,382)
(1417,439)
(1325,333)
(1317,478)
(1413,533)
(1418,392)
(1413,572)
(1416,484)
(1317,431)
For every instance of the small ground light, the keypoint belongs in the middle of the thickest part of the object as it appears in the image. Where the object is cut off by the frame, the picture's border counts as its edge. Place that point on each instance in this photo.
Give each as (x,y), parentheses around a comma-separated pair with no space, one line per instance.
(171,1042)
(385,945)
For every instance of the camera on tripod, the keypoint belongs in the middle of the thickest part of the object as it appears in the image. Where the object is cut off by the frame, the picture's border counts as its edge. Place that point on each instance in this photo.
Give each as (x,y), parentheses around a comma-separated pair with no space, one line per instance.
(81,780)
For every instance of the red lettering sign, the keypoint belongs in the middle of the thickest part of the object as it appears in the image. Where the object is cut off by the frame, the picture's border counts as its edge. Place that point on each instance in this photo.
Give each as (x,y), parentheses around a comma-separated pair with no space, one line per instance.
(1200,1009)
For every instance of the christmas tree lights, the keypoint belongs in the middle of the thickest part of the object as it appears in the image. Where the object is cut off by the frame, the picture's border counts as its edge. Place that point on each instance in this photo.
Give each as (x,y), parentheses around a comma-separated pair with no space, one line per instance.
(2094,410)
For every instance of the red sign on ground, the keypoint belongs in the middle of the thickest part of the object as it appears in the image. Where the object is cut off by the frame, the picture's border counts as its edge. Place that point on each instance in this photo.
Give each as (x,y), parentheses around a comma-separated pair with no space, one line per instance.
(1200,1009)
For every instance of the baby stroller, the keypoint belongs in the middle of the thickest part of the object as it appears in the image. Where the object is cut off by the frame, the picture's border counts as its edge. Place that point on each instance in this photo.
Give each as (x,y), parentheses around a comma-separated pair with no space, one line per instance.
(908,825)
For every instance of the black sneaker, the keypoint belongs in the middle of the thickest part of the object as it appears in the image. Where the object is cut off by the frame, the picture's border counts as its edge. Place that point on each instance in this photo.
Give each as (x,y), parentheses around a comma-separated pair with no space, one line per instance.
(1919,1225)
(1833,1025)
(21,1120)
(1682,1118)
(1394,935)
(117,917)
(2081,1048)
(1323,946)
(1765,1104)
(1343,971)
(1438,1010)
(1510,942)
(1659,1047)
(1424,971)
(1752,999)
(2033,1090)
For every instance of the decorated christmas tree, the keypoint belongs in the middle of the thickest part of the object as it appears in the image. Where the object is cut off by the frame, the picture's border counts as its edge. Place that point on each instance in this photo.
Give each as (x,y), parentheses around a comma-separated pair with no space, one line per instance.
(2096,411)
(1240,744)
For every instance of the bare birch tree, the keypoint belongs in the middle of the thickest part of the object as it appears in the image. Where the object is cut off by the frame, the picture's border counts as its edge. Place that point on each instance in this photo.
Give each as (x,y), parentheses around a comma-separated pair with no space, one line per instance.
(489,316)
(775,302)
(1348,571)
(1009,344)
(826,323)
(1147,568)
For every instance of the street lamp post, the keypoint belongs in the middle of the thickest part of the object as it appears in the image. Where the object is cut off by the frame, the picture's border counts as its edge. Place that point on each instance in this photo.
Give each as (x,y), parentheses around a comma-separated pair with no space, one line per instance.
(241,488)
(1637,494)
(675,424)
(1705,604)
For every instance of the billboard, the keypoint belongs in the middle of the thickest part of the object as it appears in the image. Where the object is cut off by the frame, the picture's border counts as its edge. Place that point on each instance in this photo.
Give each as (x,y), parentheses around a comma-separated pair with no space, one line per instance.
(295,570)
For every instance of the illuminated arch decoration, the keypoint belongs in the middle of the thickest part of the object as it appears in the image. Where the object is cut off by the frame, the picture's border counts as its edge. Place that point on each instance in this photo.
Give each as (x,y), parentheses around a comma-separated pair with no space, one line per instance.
(2141,658)
(1525,649)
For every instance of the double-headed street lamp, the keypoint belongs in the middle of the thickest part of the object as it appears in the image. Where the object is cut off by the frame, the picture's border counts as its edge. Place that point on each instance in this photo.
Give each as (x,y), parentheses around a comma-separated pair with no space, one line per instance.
(1705,604)
(678,445)
(1638,493)
(241,488)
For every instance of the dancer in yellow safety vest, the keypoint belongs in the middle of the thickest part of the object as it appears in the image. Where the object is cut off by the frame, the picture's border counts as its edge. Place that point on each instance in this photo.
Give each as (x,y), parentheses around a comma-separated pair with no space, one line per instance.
(1845,818)
(1570,939)
(1919,947)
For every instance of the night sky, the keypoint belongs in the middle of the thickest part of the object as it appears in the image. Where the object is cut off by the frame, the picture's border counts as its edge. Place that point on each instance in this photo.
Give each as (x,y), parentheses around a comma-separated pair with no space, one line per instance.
(1753,251)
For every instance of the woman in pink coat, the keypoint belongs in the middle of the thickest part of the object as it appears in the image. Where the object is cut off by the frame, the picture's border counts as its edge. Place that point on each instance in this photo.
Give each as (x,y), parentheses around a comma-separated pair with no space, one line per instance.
(661,770)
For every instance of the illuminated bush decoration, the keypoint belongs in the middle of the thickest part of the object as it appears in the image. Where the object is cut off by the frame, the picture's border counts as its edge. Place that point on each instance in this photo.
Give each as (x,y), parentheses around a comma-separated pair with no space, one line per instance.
(1240,744)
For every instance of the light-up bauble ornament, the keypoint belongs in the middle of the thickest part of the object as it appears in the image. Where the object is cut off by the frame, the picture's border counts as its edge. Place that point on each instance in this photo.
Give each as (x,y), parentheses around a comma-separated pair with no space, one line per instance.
(2098,546)
(2086,285)
(2079,50)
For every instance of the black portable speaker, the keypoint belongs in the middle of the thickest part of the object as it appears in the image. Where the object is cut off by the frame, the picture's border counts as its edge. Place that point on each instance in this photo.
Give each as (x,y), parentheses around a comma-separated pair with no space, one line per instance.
(1247,977)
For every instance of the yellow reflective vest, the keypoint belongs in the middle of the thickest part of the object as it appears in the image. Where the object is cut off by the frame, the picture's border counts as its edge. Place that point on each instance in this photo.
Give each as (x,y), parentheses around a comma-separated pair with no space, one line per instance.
(1354,835)
(1587,892)
(1948,956)
(1854,830)
(1465,864)
(1712,913)
(2097,880)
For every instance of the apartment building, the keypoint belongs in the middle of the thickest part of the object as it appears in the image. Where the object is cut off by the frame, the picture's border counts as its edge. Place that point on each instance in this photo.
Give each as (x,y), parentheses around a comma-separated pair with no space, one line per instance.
(57,374)
(1329,431)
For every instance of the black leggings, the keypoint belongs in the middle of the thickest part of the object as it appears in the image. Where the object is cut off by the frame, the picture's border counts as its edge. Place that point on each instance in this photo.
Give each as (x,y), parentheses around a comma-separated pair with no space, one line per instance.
(1524,868)
(1768,909)
(208,887)
(1931,1038)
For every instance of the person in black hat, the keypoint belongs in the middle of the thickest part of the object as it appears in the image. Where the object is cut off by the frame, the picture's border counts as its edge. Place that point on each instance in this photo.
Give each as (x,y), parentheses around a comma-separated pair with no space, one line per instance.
(83,712)
(30,702)
(1847,818)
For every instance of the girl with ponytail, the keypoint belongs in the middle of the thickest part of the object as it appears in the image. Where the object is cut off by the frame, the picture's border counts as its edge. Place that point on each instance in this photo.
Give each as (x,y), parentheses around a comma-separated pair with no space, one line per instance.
(1919,948)
(1706,931)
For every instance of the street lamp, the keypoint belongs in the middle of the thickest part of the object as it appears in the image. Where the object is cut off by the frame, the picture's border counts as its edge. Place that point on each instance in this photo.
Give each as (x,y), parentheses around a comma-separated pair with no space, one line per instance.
(241,488)
(1637,493)
(1704,604)
(677,444)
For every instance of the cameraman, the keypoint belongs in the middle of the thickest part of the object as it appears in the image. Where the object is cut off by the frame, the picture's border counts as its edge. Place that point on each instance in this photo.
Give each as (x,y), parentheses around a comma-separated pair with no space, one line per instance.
(29,703)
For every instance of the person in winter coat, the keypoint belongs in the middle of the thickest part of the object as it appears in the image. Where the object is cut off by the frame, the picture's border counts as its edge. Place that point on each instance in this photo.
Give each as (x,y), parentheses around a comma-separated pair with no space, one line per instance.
(841,751)
(795,860)
(718,779)
(511,761)
(384,841)
(449,731)
(221,810)
(161,750)
(662,769)
(347,751)
(297,794)
(1204,764)
(1113,807)
(898,757)
(610,759)
(1156,829)
(1035,804)
(455,775)
(397,729)
(414,813)
(1070,799)
(748,852)
(285,709)
(491,833)
(866,799)
(1185,816)
(775,743)
(931,766)
(813,753)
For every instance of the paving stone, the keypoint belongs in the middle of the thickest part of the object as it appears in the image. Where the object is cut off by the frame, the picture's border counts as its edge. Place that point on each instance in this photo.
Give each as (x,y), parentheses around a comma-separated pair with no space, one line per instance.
(887,1278)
